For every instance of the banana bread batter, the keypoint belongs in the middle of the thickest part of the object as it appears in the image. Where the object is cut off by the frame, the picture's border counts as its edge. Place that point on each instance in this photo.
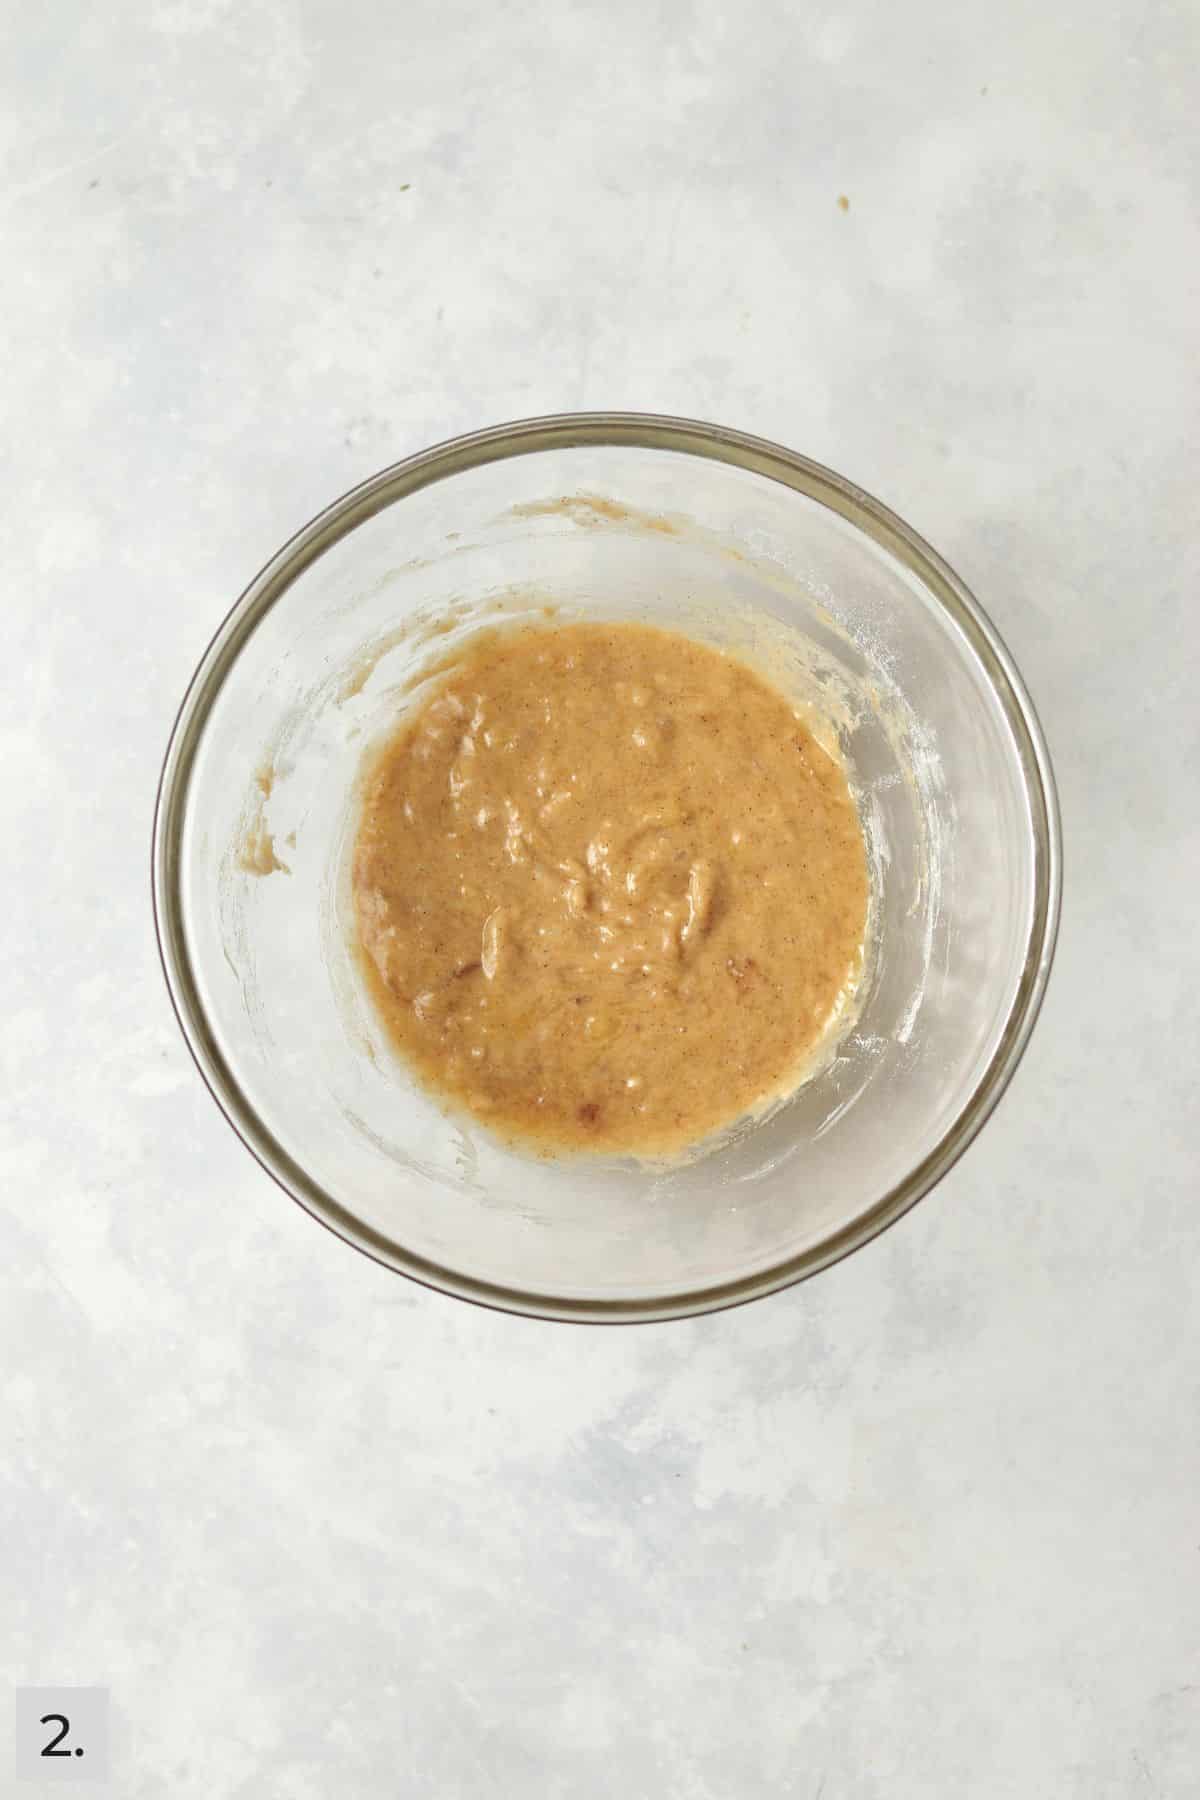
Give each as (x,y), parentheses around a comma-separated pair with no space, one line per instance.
(610,890)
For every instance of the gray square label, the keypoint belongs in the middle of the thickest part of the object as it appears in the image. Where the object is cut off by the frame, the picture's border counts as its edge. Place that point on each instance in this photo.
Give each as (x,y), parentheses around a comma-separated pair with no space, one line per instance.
(48,1752)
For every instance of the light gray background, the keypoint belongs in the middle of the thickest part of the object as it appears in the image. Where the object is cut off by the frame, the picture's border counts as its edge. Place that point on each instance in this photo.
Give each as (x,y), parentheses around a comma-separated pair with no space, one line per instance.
(927,1526)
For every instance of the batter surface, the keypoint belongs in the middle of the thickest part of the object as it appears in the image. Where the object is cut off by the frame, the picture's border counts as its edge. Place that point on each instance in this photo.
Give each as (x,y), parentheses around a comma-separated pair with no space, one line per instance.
(609,889)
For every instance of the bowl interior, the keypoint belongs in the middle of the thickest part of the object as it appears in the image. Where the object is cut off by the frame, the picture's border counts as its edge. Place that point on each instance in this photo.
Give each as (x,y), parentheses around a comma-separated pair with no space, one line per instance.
(731,542)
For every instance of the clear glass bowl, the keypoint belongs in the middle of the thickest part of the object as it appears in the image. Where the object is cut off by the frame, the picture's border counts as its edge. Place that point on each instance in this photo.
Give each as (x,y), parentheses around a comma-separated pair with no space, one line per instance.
(713,532)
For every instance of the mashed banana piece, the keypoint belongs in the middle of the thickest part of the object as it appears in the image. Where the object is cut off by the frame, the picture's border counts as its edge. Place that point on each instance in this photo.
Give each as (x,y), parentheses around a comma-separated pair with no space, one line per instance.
(608,888)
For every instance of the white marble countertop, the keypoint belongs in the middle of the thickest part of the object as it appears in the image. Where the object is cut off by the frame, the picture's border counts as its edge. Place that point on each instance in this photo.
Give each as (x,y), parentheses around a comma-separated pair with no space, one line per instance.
(924,1527)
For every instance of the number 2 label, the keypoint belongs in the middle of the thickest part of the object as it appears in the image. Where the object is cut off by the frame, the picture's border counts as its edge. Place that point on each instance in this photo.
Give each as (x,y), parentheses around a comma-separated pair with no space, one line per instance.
(51,1748)
(62,1736)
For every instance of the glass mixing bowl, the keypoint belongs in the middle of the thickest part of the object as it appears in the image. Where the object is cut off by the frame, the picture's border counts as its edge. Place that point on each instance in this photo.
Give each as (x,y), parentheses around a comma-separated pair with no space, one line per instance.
(731,539)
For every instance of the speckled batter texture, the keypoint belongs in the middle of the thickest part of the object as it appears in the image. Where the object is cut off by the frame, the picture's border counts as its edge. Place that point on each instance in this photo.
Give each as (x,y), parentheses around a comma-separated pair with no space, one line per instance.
(609,890)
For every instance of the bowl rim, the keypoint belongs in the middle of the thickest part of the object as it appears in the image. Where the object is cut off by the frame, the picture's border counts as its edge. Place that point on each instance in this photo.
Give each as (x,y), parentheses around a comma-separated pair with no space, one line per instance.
(594,430)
